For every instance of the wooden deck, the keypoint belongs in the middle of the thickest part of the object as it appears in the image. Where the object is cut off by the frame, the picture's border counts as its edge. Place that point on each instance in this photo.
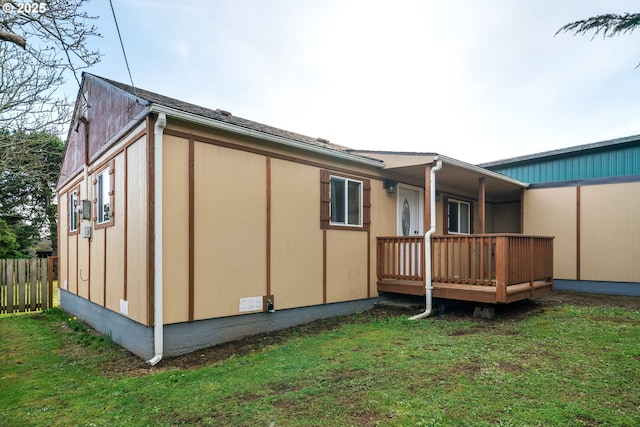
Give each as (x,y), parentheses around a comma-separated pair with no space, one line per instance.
(488,268)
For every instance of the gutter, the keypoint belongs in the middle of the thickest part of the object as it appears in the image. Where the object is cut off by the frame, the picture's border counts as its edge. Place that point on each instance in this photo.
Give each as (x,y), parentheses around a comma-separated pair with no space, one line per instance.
(427,245)
(158,327)
(201,120)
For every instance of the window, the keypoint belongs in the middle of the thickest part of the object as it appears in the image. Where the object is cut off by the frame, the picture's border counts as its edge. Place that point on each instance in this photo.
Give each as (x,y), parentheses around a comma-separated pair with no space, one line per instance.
(73,211)
(104,196)
(345,202)
(103,191)
(459,217)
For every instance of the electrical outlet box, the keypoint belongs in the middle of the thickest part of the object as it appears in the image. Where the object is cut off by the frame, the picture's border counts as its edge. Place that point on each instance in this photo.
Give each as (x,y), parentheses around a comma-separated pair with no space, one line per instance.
(85,231)
(124,307)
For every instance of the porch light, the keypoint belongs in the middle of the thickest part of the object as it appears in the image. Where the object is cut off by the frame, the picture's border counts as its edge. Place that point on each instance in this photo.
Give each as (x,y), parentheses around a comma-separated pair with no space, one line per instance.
(390,185)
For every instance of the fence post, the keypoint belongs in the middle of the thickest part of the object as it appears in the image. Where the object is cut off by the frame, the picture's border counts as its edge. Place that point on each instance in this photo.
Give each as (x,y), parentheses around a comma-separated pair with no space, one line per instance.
(50,282)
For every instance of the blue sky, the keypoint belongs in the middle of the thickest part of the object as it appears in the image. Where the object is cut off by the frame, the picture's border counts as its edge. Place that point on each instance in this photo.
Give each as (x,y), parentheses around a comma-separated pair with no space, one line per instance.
(473,80)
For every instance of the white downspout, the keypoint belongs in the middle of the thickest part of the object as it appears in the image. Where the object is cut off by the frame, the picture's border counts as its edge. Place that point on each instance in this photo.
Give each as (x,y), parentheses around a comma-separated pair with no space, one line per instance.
(427,243)
(158,331)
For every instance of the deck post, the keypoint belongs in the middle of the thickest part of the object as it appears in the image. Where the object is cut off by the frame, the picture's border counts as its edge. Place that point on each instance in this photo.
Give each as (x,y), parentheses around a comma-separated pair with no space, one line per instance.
(502,265)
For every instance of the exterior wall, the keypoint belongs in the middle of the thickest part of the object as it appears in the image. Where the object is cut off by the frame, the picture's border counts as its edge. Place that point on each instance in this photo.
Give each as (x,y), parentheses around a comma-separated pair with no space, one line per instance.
(296,238)
(98,268)
(384,217)
(606,247)
(503,218)
(552,212)
(610,230)
(136,237)
(230,219)
(175,229)
(251,226)
(112,254)
(577,163)
(346,265)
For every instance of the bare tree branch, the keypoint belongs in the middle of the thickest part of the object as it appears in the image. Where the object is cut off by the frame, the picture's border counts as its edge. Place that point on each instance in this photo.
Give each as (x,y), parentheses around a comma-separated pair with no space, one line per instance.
(55,45)
(13,38)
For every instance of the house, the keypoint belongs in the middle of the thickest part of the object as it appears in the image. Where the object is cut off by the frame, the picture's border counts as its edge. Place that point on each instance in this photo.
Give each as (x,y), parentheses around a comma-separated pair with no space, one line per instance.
(182,227)
(588,197)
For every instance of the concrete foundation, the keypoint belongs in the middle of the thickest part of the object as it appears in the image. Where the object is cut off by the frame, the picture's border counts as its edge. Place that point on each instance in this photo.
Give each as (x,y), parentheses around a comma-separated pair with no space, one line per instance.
(182,338)
(631,289)
(488,312)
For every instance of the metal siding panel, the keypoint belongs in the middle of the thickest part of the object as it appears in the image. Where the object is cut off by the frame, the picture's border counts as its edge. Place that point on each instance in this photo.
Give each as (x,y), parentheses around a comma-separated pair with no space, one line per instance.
(616,161)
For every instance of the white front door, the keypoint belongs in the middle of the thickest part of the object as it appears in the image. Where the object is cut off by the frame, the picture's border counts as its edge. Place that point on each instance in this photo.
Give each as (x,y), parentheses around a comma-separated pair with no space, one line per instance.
(410,224)
(410,217)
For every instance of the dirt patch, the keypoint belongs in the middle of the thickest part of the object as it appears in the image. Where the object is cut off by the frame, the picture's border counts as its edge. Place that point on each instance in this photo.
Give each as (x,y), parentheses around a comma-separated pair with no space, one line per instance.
(129,364)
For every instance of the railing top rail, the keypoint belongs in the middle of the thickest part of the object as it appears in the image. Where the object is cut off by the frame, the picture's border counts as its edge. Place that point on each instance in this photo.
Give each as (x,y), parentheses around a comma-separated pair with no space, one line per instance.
(467,236)
(457,236)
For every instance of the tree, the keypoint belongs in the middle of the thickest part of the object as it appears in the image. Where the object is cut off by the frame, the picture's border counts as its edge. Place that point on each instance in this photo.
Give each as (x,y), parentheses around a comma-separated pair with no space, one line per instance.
(40,44)
(608,25)
(29,168)
(38,47)
(8,243)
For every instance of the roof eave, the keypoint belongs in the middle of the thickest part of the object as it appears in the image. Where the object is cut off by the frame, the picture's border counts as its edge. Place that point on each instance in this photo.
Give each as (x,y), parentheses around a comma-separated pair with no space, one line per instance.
(481,170)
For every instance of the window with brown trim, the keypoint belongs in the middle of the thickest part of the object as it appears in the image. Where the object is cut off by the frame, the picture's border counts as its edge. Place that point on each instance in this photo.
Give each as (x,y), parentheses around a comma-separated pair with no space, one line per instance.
(103,191)
(345,201)
(73,213)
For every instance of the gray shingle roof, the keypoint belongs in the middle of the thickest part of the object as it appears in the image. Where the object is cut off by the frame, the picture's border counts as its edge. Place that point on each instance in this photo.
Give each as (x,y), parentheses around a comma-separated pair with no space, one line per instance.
(221,115)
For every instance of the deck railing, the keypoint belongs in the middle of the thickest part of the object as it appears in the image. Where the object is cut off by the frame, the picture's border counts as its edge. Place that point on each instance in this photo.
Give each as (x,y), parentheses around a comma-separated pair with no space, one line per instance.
(483,260)
(400,258)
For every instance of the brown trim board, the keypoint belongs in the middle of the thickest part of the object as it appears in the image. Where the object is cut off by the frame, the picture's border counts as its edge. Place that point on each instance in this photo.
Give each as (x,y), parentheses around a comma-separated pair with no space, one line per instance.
(191,229)
(578,233)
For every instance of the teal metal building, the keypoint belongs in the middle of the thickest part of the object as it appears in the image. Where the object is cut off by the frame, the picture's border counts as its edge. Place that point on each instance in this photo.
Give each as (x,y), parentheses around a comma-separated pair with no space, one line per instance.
(599,202)
(616,158)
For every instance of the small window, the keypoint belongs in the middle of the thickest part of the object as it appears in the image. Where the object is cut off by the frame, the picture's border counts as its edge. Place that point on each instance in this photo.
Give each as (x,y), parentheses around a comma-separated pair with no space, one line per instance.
(104,196)
(346,201)
(73,211)
(459,217)
(103,200)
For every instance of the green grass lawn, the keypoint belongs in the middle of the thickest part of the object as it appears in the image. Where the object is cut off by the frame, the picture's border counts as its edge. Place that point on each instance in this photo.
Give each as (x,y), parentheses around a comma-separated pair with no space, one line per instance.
(557,365)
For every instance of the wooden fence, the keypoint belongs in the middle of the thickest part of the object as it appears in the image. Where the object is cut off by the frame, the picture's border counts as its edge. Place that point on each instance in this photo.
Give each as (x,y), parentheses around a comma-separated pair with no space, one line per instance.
(25,285)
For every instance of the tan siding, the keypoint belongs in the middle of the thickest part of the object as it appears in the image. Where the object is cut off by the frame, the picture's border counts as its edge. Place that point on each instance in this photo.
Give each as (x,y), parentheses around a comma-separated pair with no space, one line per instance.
(383,223)
(175,229)
(610,226)
(97,266)
(346,265)
(72,284)
(83,264)
(137,196)
(114,255)
(230,219)
(505,218)
(296,237)
(552,212)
